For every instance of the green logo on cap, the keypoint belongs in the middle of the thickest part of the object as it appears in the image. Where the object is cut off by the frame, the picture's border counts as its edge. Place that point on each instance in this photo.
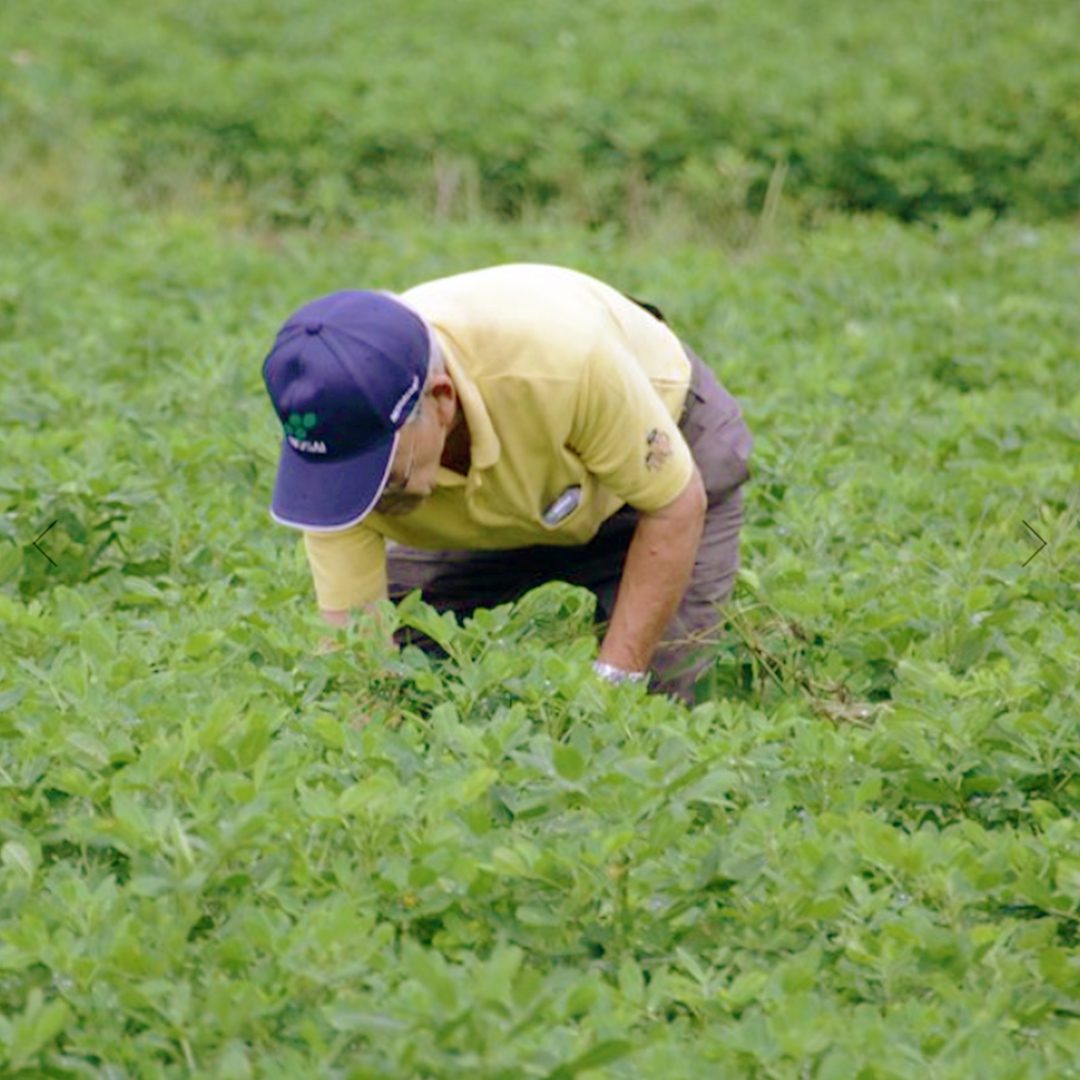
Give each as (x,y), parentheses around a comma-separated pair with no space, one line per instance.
(298,426)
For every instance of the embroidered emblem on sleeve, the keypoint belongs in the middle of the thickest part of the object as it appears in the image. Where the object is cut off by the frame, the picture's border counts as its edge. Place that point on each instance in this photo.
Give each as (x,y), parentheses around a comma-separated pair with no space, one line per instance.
(659,450)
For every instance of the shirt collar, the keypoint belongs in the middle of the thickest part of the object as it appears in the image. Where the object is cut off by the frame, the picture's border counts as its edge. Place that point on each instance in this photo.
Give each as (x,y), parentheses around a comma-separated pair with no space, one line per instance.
(484,446)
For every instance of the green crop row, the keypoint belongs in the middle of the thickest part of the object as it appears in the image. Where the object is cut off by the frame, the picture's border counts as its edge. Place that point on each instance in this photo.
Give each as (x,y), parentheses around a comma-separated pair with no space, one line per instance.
(227,854)
(604,110)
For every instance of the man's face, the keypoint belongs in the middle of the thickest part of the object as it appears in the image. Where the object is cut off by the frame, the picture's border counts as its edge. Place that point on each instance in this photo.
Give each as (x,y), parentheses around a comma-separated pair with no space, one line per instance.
(415,468)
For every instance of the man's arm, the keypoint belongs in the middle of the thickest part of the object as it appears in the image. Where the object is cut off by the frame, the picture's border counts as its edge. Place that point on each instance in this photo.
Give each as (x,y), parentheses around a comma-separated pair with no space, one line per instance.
(657,569)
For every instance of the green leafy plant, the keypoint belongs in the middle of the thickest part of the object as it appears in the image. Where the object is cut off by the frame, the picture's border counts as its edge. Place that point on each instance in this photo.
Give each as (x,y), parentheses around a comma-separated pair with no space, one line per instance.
(228,852)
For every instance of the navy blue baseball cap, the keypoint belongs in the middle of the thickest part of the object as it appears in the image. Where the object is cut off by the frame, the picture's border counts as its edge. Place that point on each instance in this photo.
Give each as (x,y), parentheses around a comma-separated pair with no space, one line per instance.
(344,374)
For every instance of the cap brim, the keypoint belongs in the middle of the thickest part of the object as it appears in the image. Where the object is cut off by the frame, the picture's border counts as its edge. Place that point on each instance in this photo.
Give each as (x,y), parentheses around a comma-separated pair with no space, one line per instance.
(326,496)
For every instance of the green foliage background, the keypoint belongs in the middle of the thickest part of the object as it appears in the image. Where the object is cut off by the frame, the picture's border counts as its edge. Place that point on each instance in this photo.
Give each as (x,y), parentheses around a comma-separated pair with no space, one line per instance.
(227,853)
(604,108)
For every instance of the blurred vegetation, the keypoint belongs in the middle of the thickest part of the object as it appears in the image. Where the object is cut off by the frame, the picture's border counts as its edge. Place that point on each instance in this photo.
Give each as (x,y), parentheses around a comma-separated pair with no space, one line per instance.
(601,111)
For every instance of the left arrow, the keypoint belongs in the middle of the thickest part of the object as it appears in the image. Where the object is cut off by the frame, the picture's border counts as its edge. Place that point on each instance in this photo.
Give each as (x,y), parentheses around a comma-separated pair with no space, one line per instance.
(39,549)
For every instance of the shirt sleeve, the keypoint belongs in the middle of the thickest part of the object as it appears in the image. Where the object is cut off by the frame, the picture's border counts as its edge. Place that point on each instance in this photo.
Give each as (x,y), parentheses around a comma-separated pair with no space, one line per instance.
(626,435)
(348,567)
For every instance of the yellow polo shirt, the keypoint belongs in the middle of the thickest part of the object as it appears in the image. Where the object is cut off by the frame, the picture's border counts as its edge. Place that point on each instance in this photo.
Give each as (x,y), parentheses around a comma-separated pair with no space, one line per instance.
(564,383)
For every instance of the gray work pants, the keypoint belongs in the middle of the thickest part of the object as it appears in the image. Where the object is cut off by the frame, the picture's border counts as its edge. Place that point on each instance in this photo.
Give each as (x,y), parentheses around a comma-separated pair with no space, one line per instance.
(712,424)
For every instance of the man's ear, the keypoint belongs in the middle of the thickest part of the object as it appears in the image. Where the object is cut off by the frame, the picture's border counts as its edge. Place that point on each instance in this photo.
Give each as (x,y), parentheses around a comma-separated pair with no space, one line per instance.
(444,394)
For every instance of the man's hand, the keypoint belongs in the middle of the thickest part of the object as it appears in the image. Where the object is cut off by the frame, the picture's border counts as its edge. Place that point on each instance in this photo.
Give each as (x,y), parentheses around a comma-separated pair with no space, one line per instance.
(375,629)
(658,567)
(333,618)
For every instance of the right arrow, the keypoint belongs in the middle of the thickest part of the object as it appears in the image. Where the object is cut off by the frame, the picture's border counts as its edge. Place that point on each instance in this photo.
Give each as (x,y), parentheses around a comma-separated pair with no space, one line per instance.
(1042,544)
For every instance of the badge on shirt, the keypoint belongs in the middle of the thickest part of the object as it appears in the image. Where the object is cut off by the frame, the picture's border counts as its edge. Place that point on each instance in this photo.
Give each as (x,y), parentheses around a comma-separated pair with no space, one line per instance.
(659,449)
(562,507)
